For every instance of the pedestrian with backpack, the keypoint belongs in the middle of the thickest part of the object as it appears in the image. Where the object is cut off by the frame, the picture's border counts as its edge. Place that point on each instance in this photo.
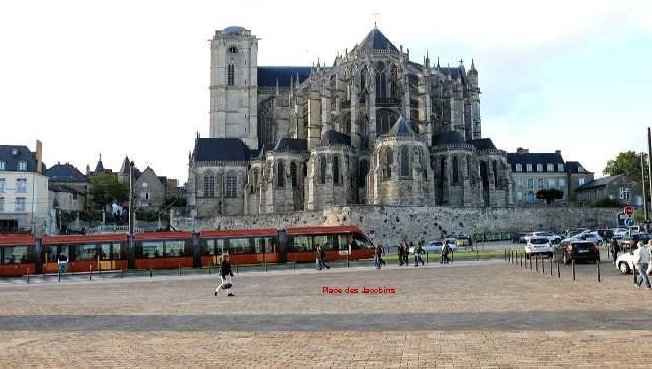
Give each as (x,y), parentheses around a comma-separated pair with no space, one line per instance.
(225,274)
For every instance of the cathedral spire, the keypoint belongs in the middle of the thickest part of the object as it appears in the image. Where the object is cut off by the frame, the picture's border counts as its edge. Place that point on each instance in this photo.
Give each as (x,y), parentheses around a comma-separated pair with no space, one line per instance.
(438,63)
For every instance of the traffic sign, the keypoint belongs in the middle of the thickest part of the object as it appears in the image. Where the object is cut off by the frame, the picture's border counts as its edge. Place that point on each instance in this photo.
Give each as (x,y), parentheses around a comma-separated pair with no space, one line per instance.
(629,222)
(628,210)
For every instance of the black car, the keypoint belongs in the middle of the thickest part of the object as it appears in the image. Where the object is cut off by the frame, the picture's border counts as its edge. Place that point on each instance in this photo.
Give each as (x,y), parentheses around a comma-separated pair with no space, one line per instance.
(519,237)
(578,250)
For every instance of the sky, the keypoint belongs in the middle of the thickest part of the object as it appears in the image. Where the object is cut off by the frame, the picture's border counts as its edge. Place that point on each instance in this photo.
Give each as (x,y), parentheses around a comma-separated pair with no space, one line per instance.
(131,77)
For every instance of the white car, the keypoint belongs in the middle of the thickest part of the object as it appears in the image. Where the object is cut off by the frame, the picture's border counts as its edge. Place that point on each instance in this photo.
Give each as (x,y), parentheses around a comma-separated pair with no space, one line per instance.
(625,262)
(435,246)
(537,245)
(549,235)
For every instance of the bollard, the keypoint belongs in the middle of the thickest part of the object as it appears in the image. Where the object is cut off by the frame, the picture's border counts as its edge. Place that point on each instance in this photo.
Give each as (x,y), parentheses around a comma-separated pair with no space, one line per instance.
(27,275)
(505,254)
(237,271)
(558,272)
(90,272)
(551,266)
(122,273)
(522,261)
(59,274)
(536,263)
(573,265)
(150,272)
(347,260)
(427,258)
(530,262)
(598,267)
(634,274)
(452,256)
(543,267)
(209,269)
(294,265)
(179,268)
(265,265)
(477,255)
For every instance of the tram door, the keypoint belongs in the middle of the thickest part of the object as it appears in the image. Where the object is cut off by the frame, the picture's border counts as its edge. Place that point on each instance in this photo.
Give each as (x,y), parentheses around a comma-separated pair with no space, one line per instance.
(282,246)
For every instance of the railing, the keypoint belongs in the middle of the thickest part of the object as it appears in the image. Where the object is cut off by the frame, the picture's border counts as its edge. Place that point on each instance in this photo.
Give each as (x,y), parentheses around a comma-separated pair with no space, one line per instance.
(386,102)
(112,229)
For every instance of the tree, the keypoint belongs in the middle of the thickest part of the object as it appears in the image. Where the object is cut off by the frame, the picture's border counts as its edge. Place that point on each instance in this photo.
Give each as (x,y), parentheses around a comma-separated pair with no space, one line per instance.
(106,188)
(627,163)
(550,194)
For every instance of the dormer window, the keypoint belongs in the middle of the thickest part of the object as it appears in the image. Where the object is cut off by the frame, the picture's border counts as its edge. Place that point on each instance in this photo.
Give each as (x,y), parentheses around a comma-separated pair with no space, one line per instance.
(519,167)
(539,167)
(21,165)
(550,167)
(560,167)
(2,165)
(528,167)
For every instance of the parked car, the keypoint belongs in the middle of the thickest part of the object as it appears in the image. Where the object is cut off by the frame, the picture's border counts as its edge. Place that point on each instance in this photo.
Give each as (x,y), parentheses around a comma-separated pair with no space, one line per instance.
(625,262)
(519,237)
(549,235)
(587,236)
(628,242)
(433,246)
(578,250)
(537,245)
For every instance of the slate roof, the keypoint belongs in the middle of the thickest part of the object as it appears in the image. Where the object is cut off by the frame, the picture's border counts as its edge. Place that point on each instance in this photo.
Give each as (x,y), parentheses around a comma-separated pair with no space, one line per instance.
(483,144)
(267,76)
(574,167)
(291,144)
(448,138)
(65,173)
(376,40)
(401,127)
(59,187)
(336,138)
(22,154)
(99,168)
(600,182)
(220,149)
(454,72)
(534,159)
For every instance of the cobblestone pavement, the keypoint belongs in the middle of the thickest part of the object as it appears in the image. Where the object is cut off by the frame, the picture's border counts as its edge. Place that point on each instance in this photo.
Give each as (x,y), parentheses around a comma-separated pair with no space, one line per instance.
(465,315)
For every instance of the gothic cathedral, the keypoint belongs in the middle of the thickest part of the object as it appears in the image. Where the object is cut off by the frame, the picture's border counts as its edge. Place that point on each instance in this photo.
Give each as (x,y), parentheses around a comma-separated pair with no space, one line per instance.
(374,128)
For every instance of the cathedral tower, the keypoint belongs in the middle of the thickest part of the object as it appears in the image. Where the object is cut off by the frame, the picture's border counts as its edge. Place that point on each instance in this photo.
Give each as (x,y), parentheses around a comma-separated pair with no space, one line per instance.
(234,85)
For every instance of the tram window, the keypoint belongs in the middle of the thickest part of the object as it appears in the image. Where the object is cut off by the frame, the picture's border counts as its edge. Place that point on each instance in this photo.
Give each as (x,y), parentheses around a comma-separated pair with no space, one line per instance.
(50,253)
(263,245)
(175,248)
(85,252)
(302,243)
(212,246)
(69,251)
(343,241)
(239,245)
(329,242)
(105,251)
(152,249)
(17,255)
(360,242)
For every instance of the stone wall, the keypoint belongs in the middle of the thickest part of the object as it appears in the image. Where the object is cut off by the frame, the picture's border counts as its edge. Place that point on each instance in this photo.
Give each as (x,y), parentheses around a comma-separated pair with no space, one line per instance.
(392,223)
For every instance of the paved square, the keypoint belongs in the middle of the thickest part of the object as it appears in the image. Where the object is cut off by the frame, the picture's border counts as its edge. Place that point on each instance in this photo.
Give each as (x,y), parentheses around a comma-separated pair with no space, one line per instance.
(470,314)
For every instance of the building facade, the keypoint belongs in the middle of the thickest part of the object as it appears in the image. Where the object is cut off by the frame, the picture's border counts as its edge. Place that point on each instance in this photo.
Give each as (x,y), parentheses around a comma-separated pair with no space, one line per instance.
(23,189)
(617,187)
(534,172)
(68,187)
(373,128)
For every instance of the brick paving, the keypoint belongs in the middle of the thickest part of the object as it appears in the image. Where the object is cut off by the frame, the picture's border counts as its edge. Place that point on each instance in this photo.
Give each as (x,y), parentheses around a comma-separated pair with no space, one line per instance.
(474,315)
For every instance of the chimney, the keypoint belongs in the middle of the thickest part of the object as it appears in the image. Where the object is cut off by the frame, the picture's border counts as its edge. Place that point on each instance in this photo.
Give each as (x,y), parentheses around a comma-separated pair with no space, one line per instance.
(521,150)
(39,156)
(558,152)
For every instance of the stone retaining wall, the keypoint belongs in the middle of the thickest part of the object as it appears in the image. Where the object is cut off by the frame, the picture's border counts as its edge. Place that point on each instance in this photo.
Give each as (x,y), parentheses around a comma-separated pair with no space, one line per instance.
(392,223)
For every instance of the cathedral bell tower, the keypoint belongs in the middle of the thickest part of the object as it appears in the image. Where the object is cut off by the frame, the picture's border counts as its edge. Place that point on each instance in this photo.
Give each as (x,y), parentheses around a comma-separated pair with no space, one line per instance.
(234,85)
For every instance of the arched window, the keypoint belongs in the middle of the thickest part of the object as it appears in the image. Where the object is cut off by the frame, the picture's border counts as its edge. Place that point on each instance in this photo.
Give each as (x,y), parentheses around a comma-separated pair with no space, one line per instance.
(456,170)
(266,128)
(405,162)
(364,170)
(230,75)
(333,86)
(387,163)
(280,174)
(384,120)
(336,170)
(322,169)
(393,83)
(363,79)
(468,167)
(381,81)
(254,184)
(294,174)
(209,185)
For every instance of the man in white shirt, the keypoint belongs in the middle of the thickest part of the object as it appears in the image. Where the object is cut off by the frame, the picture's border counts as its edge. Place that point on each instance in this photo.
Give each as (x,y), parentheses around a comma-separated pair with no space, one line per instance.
(642,261)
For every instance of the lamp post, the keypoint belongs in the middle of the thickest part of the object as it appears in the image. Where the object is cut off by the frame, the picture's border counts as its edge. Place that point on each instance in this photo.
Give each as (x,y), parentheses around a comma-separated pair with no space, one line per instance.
(645,211)
(131,252)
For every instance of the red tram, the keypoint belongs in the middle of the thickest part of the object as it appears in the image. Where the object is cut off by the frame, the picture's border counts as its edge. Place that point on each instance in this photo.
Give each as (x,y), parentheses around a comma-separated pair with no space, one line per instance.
(23,254)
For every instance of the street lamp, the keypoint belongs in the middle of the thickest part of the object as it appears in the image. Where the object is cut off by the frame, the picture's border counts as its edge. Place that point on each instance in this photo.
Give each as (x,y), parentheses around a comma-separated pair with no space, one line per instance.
(645,210)
(131,199)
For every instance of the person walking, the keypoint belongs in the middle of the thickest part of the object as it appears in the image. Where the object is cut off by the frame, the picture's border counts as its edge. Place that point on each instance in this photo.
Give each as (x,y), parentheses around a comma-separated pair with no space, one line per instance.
(445,250)
(400,253)
(418,250)
(226,274)
(406,253)
(642,261)
(320,255)
(378,255)
(615,249)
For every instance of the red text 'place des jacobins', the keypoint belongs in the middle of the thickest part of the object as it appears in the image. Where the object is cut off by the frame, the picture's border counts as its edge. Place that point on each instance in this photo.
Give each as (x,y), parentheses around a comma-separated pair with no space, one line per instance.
(356,290)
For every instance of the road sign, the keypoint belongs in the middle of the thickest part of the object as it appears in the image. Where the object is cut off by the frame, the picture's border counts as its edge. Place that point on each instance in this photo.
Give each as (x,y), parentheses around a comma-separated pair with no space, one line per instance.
(629,222)
(628,210)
